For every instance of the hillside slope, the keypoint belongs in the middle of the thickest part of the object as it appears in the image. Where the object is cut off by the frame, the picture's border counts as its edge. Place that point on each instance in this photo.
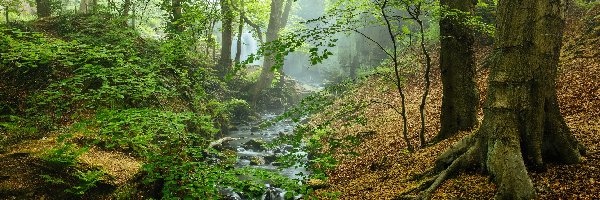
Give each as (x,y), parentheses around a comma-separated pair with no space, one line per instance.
(383,169)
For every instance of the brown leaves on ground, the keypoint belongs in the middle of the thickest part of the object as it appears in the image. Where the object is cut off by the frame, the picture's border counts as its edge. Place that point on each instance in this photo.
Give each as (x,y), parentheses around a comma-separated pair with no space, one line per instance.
(21,170)
(384,169)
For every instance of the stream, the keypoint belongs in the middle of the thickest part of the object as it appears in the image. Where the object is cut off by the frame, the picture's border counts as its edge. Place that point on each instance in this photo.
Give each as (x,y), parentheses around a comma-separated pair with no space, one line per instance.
(247,141)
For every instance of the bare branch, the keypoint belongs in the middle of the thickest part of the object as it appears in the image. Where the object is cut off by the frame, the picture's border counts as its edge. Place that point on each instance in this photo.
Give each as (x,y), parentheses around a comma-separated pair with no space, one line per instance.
(372,40)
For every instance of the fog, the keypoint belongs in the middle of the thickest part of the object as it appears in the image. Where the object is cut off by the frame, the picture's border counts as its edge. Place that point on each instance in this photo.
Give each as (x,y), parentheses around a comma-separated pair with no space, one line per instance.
(352,52)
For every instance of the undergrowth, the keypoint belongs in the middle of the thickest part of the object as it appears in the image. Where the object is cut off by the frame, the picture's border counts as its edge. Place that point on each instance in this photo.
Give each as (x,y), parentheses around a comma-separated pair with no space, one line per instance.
(99,84)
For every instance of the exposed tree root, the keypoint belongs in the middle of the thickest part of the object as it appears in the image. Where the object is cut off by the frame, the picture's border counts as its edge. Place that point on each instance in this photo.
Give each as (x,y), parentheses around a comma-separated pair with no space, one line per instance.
(461,156)
(461,162)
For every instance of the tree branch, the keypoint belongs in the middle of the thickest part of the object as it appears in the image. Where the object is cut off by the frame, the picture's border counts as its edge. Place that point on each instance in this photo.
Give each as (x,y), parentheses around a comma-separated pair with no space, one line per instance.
(372,40)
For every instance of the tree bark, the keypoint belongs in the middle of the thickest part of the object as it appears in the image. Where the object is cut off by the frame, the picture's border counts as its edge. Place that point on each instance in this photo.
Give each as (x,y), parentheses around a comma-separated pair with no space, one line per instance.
(94,5)
(238,49)
(427,81)
(175,23)
(83,6)
(276,20)
(226,37)
(43,8)
(522,124)
(126,8)
(460,98)
(6,14)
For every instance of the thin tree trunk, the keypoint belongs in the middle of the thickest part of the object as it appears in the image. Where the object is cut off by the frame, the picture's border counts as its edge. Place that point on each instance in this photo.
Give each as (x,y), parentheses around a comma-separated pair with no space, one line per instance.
(244,19)
(394,56)
(460,98)
(286,13)
(93,6)
(6,15)
(133,17)
(353,67)
(213,41)
(427,84)
(238,49)
(256,29)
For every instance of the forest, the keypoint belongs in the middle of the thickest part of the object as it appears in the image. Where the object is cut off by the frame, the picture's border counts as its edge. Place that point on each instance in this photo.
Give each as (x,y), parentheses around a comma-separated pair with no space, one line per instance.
(299,99)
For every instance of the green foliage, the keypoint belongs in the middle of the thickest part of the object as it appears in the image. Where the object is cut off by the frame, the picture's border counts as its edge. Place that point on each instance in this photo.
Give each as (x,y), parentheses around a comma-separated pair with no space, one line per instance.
(52,180)
(63,155)
(240,110)
(317,139)
(157,100)
(586,4)
(14,128)
(480,21)
(145,130)
(86,181)
(82,183)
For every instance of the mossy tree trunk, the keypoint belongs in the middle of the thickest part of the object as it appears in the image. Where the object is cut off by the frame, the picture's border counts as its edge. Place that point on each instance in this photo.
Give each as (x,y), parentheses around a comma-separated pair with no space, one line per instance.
(460,98)
(226,37)
(43,8)
(175,24)
(6,14)
(277,21)
(522,124)
(238,48)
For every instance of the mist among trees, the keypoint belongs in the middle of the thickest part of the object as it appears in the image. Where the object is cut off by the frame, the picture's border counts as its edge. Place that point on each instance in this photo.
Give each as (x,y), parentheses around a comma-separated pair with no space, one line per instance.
(299,99)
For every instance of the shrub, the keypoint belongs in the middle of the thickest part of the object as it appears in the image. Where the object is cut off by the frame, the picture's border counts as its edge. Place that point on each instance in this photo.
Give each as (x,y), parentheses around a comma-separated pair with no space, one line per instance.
(63,155)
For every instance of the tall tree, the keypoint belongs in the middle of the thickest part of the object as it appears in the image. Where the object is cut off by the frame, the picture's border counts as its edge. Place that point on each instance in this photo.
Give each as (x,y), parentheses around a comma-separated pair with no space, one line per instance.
(277,19)
(126,8)
(460,95)
(83,6)
(89,6)
(6,13)
(43,8)
(175,24)
(522,123)
(238,49)
(226,36)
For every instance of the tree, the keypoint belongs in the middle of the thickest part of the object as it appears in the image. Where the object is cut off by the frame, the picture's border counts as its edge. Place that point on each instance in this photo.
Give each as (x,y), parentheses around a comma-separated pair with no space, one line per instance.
(43,8)
(175,23)
(396,16)
(460,95)
(5,4)
(226,36)
(277,21)
(522,123)
(83,6)
(238,48)
(126,8)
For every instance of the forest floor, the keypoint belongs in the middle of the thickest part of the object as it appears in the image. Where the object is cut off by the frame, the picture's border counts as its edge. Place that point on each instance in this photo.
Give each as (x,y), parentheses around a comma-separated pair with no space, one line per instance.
(23,171)
(383,169)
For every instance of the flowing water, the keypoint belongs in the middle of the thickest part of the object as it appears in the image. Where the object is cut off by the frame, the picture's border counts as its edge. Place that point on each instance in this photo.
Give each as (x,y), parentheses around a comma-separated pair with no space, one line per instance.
(247,143)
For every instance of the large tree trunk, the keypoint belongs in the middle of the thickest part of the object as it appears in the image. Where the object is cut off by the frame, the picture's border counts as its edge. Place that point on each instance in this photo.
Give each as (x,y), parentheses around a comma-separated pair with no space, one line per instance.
(226,37)
(522,124)
(460,98)
(43,8)
(276,20)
